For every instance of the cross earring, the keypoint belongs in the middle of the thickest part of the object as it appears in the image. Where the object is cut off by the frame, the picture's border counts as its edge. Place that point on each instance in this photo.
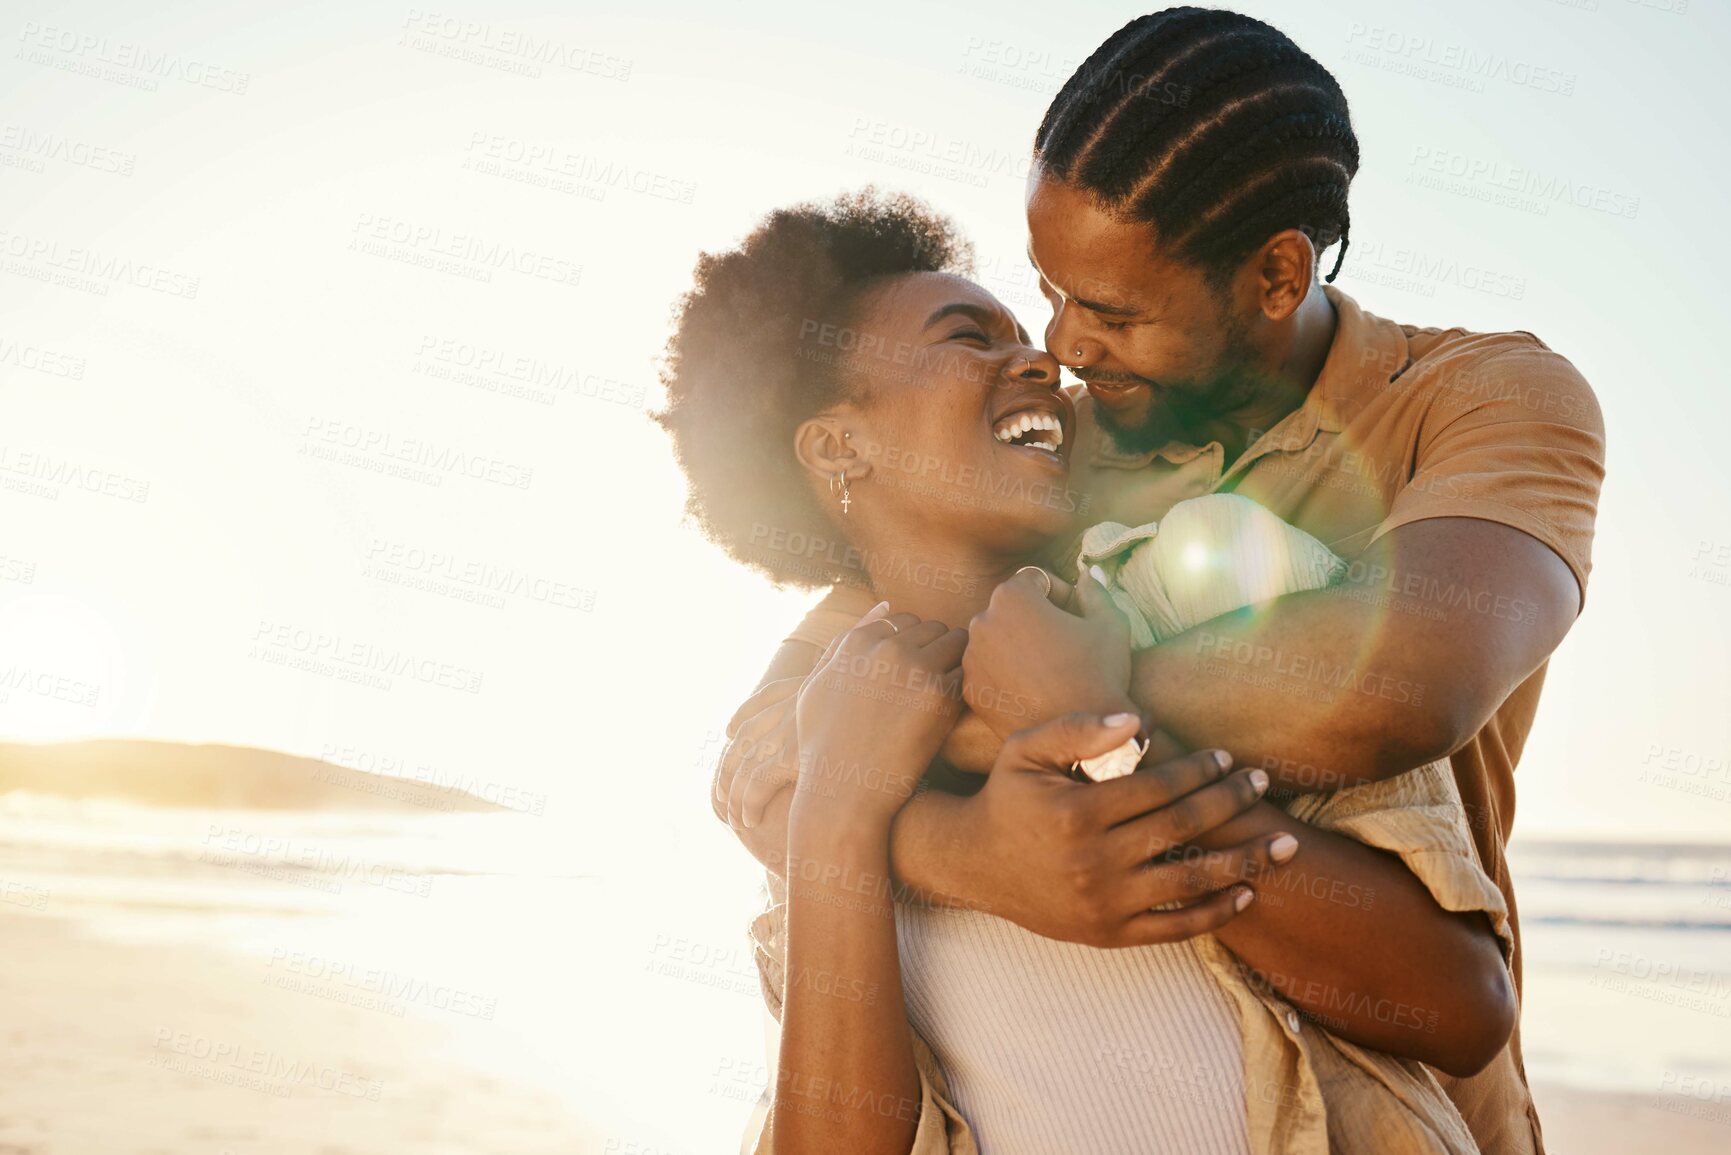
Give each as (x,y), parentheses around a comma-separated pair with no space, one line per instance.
(846,499)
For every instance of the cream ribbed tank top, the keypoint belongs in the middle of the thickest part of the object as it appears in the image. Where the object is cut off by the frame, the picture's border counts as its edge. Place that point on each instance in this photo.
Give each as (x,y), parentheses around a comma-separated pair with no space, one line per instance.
(1053,1048)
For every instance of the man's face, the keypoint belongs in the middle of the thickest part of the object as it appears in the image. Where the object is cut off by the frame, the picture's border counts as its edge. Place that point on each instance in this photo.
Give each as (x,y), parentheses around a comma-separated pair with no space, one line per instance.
(1155,343)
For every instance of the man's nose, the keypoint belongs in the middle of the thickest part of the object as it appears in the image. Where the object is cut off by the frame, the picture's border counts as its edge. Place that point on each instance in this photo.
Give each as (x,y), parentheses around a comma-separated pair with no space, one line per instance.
(1065,340)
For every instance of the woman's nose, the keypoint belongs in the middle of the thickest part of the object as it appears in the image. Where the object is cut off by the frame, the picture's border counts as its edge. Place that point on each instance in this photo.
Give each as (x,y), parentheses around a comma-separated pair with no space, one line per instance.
(1038,366)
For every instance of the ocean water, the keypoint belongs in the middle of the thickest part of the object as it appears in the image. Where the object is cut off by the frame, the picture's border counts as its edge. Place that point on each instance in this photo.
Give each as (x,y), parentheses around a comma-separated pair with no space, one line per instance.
(1628,965)
(604,961)
(575,960)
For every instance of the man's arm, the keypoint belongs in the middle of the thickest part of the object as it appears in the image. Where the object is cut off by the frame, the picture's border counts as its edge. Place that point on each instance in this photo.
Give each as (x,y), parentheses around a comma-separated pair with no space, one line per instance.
(1342,931)
(1471,581)
(1437,624)
(1350,936)
(1376,676)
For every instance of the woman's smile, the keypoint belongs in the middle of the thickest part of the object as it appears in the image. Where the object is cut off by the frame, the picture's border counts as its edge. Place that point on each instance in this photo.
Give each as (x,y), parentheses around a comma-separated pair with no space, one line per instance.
(1039,427)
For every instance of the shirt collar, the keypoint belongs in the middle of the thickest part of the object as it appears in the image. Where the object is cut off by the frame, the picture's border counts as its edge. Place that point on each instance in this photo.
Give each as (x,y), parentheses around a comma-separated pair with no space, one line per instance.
(1367,353)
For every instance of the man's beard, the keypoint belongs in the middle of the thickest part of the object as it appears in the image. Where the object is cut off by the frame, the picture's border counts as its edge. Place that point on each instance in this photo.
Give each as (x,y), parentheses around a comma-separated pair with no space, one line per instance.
(1176,410)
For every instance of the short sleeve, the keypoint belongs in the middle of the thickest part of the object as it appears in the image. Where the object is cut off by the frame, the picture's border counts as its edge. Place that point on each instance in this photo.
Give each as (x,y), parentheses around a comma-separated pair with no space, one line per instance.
(1512,435)
(1417,815)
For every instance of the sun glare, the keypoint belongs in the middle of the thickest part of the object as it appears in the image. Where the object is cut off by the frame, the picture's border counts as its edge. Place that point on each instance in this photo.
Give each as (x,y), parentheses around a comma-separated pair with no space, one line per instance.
(61,668)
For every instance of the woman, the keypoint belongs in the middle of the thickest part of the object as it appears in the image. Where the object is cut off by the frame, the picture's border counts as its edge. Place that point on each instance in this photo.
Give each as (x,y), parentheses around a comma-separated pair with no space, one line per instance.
(834,356)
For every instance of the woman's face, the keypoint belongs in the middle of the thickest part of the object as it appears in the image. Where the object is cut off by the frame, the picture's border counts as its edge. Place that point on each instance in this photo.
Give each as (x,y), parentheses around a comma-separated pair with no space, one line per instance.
(960,417)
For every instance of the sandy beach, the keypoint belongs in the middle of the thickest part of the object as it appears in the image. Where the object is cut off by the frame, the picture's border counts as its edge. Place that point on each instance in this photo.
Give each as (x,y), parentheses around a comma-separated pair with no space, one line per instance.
(159,1050)
(1581,1122)
(150,1049)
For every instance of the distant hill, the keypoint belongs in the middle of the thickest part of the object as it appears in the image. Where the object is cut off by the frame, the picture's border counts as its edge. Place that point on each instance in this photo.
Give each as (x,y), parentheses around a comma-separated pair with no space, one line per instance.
(240,777)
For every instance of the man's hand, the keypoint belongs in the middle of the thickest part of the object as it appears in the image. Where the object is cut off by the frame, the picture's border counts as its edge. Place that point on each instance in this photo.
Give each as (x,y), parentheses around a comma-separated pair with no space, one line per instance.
(1085,861)
(1029,661)
(762,754)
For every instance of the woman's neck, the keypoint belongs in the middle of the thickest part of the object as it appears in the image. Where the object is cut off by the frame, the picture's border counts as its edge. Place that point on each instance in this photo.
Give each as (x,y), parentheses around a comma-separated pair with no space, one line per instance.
(950,585)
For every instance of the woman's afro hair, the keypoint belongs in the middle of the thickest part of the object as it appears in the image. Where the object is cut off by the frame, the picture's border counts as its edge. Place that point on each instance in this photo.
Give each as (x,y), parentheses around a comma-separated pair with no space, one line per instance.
(753,355)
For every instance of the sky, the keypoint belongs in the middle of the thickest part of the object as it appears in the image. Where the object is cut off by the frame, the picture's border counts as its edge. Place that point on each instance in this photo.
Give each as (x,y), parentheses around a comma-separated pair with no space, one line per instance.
(328,339)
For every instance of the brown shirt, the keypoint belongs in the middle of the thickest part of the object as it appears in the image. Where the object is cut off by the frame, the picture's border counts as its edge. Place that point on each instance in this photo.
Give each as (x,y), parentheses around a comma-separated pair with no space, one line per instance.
(1405,424)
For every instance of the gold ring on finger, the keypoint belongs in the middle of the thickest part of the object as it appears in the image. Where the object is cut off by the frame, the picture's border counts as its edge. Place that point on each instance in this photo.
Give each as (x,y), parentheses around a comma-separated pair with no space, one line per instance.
(1045,579)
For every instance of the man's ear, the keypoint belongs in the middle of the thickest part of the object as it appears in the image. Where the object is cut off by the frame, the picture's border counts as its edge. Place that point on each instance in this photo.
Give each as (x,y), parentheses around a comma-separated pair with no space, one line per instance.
(1288,264)
(824,445)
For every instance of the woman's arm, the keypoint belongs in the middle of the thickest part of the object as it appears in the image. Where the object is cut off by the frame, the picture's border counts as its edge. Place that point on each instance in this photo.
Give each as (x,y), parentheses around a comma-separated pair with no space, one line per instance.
(846,1079)
(867,722)
(1348,935)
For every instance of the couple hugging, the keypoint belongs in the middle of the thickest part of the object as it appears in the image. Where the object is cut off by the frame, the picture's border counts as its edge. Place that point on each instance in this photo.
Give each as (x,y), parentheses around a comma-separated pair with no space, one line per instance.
(1166,814)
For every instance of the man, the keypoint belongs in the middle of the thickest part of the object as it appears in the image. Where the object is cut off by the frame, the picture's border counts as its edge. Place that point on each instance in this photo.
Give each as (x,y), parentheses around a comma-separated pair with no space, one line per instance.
(1185,182)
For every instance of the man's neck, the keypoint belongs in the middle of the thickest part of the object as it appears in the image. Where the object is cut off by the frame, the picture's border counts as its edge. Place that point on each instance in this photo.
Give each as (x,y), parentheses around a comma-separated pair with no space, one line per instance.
(1285,380)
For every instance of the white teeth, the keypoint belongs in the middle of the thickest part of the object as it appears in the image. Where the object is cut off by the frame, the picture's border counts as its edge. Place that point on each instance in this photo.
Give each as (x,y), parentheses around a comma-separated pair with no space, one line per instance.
(1015,427)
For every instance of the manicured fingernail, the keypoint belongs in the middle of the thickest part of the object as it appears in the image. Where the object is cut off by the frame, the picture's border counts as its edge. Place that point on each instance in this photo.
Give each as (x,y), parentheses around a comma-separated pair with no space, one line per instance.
(1098,574)
(1243,900)
(1283,848)
(1120,719)
(1222,759)
(1259,779)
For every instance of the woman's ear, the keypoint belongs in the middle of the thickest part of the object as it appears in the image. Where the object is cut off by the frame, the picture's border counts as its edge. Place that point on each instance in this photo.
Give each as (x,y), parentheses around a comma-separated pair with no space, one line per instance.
(824,445)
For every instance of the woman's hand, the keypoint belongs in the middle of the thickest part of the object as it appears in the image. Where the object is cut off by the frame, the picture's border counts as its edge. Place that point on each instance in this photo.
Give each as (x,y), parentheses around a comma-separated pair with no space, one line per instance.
(762,755)
(874,713)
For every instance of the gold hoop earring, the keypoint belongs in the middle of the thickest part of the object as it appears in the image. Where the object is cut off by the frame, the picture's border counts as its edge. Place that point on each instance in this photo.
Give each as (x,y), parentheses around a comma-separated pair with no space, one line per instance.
(839,481)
